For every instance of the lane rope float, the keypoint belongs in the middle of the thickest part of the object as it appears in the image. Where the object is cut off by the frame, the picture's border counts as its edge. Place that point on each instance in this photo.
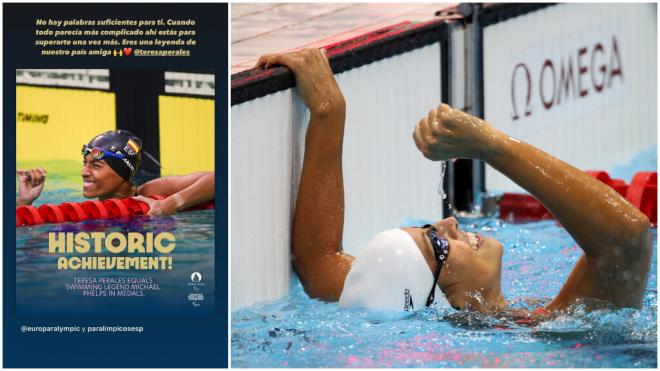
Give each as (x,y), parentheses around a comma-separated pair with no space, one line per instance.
(89,210)
(641,192)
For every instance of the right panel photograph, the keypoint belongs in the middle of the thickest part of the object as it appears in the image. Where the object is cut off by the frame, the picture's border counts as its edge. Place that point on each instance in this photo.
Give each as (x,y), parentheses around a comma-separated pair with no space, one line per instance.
(443,185)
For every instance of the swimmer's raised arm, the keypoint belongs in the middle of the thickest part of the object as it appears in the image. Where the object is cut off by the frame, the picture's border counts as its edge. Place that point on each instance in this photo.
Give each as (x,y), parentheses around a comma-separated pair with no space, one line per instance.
(614,235)
(30,185)
(319,216)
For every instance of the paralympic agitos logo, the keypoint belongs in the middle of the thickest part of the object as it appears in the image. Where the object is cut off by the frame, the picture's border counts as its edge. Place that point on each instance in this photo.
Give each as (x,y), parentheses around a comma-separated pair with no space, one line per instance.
(575,75)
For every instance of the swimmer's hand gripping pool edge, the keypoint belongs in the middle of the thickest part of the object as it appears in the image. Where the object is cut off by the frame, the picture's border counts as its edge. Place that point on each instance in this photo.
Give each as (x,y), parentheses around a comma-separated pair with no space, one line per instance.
(315,82)
(614,235)
(318,222)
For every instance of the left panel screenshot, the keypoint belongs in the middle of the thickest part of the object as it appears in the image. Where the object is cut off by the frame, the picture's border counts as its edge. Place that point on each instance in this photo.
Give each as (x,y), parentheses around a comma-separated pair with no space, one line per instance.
(115,145)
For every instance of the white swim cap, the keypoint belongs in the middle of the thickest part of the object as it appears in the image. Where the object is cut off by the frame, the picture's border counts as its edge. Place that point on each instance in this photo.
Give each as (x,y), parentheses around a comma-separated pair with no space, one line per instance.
(390,273)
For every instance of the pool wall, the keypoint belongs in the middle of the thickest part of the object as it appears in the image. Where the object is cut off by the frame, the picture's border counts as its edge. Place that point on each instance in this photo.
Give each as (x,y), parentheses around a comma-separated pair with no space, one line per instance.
(385,178)
(577,82)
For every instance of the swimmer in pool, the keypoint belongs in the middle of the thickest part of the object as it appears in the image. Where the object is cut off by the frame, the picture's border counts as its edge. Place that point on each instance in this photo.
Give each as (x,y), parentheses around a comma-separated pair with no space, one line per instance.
(110,160)
(410,268)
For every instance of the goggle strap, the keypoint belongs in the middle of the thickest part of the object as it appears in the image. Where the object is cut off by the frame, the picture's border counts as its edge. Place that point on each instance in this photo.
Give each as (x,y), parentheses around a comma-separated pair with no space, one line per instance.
(439,262)
(152,158)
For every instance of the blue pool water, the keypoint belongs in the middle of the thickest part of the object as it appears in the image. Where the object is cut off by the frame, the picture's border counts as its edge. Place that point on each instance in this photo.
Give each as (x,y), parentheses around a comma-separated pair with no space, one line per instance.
(42,289)
(300,332)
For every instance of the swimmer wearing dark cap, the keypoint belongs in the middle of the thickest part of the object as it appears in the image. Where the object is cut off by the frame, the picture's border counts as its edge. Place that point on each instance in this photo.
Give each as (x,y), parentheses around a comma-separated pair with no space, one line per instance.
(110,161)
(401,269)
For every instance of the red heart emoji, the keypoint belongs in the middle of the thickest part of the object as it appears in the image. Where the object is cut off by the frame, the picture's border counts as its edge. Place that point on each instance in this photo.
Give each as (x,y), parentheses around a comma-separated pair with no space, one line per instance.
(128,51)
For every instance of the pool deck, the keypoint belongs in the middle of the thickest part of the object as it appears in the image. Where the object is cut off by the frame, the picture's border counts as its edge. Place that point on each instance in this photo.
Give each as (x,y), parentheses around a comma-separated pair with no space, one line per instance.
(260,28)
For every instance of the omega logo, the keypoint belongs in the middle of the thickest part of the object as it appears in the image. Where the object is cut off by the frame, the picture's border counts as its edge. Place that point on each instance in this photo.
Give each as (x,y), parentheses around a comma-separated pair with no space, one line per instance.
(566,78)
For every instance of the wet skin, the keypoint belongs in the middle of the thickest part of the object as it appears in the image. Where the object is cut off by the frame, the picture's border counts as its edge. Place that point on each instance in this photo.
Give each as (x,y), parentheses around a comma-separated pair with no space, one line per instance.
(471,275)
(614,236)
(99,180)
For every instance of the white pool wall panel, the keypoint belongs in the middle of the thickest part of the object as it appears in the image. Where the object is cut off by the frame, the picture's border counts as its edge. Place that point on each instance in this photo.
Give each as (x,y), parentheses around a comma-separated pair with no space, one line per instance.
(458,73)
(599,131)
(261,153)
(386,179)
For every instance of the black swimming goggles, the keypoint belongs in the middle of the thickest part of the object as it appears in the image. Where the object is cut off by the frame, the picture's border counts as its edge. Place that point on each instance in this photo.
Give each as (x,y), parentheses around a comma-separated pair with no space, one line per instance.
(440,251)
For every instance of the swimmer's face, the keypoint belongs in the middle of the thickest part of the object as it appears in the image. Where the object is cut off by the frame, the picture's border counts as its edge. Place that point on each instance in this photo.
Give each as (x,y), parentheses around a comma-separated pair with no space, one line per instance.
(470,277)
(99,180)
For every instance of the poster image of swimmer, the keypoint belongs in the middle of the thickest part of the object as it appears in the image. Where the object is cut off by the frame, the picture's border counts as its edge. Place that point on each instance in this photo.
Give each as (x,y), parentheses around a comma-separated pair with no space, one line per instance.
(115,193)
(115,144)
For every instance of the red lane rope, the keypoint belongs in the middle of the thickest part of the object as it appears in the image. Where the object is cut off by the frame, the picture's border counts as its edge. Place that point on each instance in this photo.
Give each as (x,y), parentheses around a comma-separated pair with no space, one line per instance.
(641,192)
(74,212)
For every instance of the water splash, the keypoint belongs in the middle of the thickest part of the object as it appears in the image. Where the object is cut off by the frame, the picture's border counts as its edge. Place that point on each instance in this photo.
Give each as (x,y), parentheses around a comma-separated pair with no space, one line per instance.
(300,332)
(441,190)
